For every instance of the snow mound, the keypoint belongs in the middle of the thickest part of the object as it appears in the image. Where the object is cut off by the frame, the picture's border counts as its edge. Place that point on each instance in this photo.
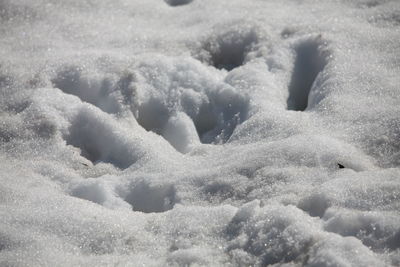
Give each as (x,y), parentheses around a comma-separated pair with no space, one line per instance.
(181,133)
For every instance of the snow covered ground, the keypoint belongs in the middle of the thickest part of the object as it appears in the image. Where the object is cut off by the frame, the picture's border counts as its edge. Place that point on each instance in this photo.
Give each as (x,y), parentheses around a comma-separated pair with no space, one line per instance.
(199,132)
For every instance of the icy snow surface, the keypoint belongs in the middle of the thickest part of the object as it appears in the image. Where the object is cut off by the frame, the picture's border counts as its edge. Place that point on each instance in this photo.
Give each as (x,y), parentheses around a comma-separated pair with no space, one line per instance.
(199,132)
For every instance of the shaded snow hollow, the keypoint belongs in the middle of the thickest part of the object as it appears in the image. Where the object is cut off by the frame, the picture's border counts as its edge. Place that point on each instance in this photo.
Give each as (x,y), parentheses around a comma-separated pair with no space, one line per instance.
(199,133)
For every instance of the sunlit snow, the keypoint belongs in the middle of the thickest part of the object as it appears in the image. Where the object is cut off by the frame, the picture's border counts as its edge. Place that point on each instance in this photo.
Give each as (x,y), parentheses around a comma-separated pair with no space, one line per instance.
(199,133)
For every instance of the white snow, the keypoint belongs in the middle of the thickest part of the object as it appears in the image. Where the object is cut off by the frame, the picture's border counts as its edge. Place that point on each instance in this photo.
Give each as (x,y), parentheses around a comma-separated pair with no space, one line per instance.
(199,133)
(180,132)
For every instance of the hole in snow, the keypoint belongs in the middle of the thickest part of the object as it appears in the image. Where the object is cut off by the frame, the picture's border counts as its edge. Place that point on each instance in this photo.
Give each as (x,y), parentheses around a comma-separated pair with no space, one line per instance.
(373,3)
(177,2)
(308,63)
(213,120)
(101,92)
(394,241)
(153,115)
(205,120)
(218,190)
(228,50)
(288,32)
(148,198)
(218,118)
(315,205)
(99,140)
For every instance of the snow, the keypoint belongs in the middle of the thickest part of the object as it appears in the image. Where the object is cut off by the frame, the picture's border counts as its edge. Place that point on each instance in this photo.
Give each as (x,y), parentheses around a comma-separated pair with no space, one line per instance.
(181,133)
(204,133)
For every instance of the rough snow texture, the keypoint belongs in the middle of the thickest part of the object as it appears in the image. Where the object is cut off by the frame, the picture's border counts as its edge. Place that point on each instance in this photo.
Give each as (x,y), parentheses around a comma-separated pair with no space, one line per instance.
(203,132)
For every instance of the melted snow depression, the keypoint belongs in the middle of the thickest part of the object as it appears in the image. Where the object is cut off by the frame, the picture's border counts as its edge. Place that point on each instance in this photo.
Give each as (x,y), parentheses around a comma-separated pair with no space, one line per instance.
(199,133)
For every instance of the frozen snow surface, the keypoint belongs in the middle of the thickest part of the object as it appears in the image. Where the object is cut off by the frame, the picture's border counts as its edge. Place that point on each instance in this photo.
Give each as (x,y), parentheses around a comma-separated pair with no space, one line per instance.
(199,133)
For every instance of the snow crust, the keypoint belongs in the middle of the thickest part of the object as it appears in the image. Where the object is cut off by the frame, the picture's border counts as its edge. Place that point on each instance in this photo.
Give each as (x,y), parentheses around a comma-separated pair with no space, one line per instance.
(199,133)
